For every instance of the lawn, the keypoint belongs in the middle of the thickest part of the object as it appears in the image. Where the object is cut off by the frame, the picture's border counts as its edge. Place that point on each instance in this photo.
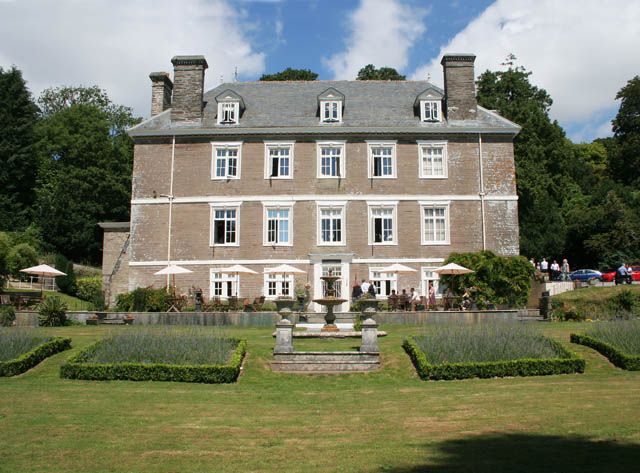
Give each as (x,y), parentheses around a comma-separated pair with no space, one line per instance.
(384,421)
(72,302)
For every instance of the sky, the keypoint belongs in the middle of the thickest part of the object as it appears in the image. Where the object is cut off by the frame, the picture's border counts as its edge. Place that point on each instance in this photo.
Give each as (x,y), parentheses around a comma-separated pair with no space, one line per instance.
(581,51)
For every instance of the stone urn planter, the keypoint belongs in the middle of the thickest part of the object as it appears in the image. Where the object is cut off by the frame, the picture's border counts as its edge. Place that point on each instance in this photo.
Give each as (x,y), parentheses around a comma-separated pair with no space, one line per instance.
(93,320)
(368,304)
(283,303)
(128,319)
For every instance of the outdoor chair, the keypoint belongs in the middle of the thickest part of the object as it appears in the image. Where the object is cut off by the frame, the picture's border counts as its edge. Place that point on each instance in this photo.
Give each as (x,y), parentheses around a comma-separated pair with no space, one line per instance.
(393,302)
(257,303)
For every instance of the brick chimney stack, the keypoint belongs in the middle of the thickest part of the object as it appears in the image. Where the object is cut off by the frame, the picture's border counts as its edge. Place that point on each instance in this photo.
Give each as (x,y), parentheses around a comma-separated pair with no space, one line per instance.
(161,87)
(188,88)
(459,86)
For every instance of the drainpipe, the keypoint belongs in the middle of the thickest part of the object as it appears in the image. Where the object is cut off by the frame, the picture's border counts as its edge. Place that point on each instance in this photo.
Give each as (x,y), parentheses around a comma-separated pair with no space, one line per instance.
(170,197)
(482,194)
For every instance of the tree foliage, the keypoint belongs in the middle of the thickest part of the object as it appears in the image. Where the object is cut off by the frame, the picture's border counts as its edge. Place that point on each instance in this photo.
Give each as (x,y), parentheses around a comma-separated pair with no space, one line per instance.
(18,164)
(625,158)
(290,74)
(369,72)
(20,257)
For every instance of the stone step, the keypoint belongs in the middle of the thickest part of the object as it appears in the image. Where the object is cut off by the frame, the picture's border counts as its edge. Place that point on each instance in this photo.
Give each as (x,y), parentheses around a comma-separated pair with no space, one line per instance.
(111,322)
(335,357)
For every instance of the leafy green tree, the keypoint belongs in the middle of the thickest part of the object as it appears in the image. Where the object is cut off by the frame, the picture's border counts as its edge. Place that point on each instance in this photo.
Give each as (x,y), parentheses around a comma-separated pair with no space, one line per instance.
(85,170)
(20,257)
(543,157)
(5,246)
(625,160)
(290,74)
(18,164)
(369,72)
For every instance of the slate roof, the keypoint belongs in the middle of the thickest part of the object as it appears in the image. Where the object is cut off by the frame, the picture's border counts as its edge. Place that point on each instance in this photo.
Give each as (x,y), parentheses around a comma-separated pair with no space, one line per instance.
(291,107)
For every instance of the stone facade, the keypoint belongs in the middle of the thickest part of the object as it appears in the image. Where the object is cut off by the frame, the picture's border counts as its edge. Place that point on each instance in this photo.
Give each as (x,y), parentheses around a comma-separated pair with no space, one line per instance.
(115,259)
(161,90)
(175,189)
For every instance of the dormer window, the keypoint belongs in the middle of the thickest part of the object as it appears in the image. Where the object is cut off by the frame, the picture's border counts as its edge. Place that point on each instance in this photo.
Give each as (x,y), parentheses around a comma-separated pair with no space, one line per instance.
(430,110)
(330,105)
(428,104)
(228,113)
(230,107)
(331,111)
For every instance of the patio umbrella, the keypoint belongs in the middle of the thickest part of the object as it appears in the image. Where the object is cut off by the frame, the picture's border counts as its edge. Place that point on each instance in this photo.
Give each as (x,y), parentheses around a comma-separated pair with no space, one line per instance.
(44,271)
(237,269)
(397,268)
(453,269)
(172,270)
(284,269)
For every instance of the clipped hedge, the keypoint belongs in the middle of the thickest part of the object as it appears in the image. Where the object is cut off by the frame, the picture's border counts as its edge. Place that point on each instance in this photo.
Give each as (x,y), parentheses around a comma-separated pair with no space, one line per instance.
(569,363)
(78,368)
(31,358)
(615,356)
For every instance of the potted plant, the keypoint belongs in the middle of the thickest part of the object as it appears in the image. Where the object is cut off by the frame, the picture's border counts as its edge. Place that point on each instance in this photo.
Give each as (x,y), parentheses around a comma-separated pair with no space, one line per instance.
(284,302)
(368,301)
(128,319)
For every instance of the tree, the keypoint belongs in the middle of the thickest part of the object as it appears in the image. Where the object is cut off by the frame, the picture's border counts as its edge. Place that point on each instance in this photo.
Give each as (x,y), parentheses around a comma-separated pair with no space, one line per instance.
(5,246)
(625,160)
(543,158)
(85,170)
(18,163)
(369,72)
(20,257)
(290,74)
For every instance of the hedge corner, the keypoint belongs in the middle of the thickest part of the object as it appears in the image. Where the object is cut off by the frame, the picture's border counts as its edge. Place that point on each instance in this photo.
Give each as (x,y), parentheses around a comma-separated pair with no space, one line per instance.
(33,357)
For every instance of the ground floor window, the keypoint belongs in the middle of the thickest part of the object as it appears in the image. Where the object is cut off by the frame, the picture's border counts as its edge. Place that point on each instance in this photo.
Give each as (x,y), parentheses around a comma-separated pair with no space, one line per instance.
(223,285)
(276,285)
(428,276)
(383,282)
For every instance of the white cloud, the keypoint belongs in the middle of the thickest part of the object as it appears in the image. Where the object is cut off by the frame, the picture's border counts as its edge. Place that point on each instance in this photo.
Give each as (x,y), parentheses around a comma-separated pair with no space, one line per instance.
(581,51)
(116,44)
(381,33)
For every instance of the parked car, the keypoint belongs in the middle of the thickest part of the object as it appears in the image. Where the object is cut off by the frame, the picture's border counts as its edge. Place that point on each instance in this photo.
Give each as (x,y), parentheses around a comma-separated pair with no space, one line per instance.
(610,276)
(585,275)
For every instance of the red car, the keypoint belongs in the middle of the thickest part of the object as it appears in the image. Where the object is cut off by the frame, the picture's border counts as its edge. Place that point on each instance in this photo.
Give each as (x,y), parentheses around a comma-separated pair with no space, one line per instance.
(611,276)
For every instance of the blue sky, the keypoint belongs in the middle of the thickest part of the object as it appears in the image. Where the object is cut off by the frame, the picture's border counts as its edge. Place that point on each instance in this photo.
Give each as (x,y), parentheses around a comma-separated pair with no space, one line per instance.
(581,51)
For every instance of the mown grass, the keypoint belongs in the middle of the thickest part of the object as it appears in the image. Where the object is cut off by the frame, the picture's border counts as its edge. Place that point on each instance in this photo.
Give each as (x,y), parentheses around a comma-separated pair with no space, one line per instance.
(73,303)
(602,303)
(621,334)
(17,341)
(388,421)
(171,345)
(500,341)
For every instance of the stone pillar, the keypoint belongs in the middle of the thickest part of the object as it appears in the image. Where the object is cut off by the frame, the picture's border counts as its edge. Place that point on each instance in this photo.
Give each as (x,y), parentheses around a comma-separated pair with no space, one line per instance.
(370,336)
(459,86)
(161,88)
(284,337)
(188,89)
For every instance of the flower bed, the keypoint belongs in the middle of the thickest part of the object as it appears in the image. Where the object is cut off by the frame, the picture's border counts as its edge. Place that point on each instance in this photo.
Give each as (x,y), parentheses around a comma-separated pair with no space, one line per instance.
(619,341)
(21,350)
(486,351)
(194,355)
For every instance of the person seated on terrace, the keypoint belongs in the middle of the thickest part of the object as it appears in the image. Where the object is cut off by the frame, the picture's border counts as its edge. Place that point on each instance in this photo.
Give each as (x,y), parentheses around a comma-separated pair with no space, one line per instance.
(403,300)
(393,300)
(415,299)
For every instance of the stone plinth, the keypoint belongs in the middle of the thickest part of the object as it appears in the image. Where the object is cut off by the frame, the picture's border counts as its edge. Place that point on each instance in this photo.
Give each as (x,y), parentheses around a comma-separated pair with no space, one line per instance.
(284,337)
(369,336)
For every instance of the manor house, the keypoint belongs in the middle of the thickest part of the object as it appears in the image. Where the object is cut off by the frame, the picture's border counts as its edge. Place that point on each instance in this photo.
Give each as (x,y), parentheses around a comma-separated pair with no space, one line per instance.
(347,176)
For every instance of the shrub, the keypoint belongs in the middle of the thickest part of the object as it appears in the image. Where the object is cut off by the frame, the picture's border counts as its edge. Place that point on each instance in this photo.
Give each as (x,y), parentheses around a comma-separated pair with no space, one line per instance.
(562,364)
(21,256)
(195,355)
(566,312)
(625,301)
(66,284)
(144,299)
(269,307)
(7,315)
(611,348)
(20,350)
(52,312)
(89,288)
(498,279)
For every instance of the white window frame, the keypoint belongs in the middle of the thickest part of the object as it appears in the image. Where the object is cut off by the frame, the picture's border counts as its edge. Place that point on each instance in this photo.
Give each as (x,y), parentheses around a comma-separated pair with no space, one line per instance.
(430,116)
(392,277)
(265,227)
(394,222)
(370,166)
(268,161)
(224,278)
(278,280)
(320,145)
(223,206)
(341,205)
(422,154)
(215,146)
(330,103)
(424,282)
(234,107)
(447,227)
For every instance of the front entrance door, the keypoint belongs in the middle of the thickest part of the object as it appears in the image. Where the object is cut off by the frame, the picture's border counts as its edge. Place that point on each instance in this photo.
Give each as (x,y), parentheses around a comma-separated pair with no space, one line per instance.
(337,268)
